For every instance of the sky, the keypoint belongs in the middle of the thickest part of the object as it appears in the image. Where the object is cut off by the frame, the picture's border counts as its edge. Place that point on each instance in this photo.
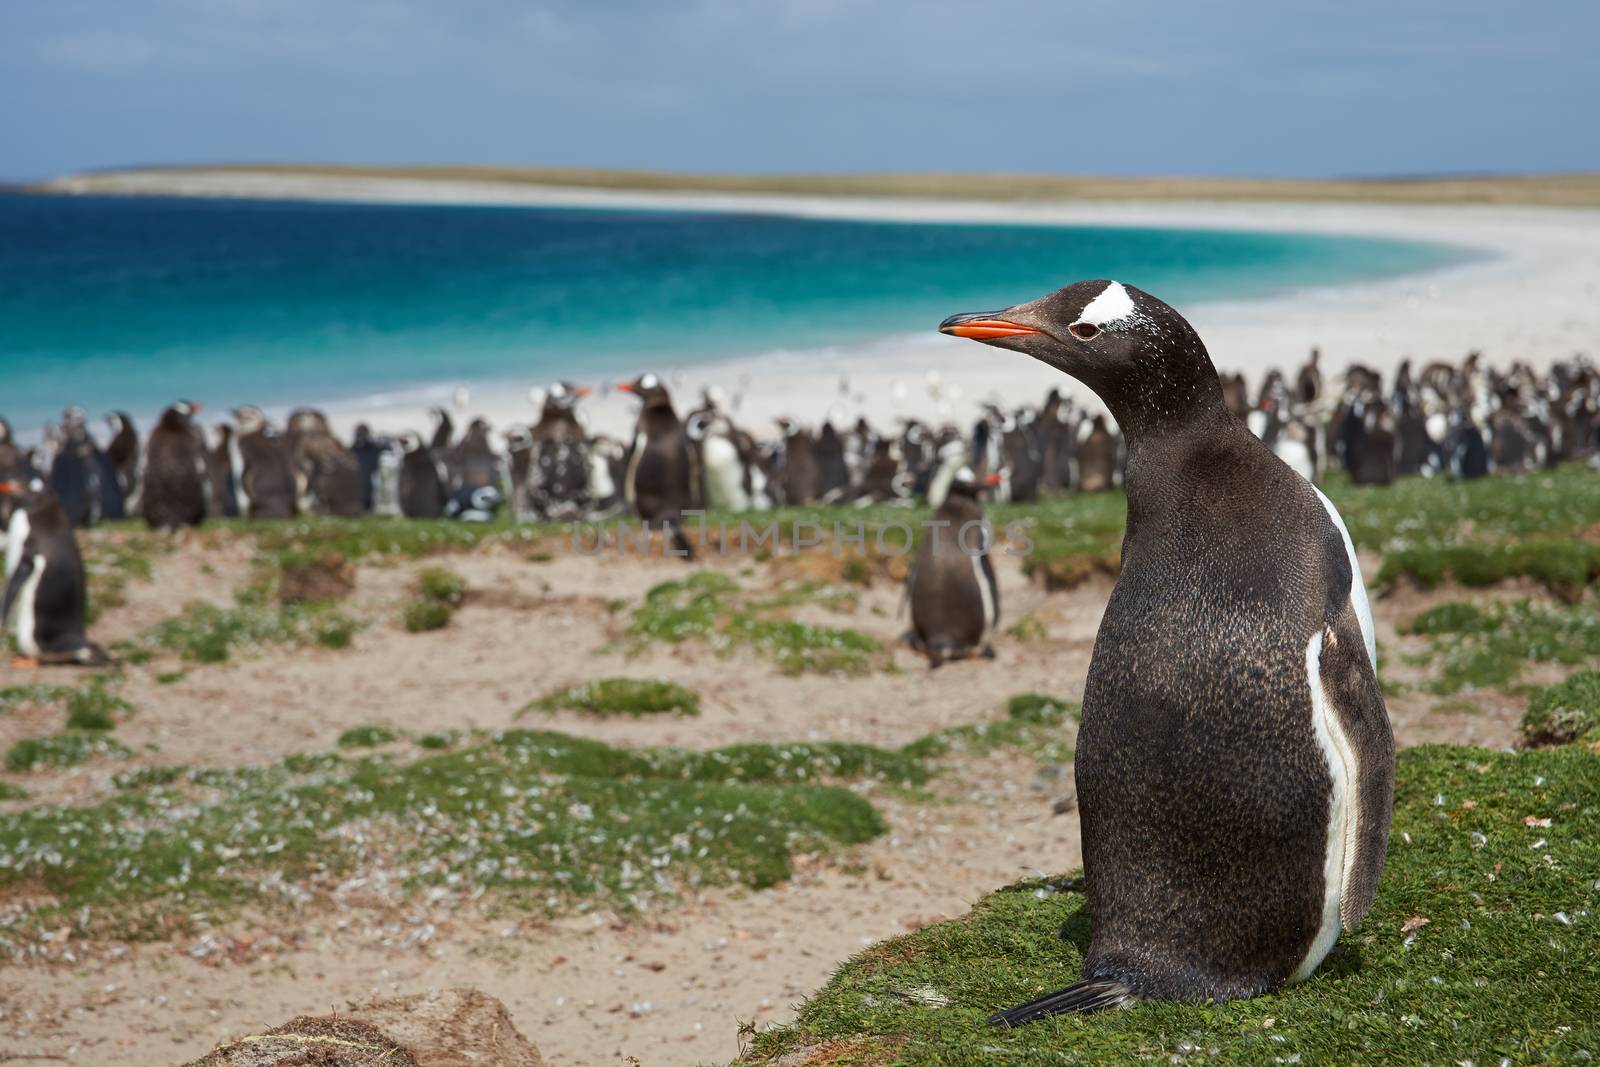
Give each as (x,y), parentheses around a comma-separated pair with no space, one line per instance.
(1227,87)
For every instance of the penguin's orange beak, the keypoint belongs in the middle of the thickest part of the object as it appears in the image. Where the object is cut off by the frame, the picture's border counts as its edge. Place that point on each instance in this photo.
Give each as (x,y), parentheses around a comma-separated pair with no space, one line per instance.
(991,480)
(626,387)
(983,326)
(9,488)
(583,391)
(197,406)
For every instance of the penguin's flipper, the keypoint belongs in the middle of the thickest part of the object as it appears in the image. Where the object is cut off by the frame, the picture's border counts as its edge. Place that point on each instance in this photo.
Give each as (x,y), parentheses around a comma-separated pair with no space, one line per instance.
(19,578)
(1350,685)
(1079,998)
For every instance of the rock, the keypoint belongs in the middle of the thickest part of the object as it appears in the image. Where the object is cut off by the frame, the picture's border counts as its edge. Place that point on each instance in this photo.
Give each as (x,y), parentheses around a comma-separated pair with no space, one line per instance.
(312,1041)
(449,1028)
(324,577)
(452,1028)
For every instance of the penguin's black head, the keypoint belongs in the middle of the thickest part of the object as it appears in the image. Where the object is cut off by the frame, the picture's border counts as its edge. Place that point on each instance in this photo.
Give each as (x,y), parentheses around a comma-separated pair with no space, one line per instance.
(649,389)
(250,419)
(1136,352)
(967,482)
(564,396)
(26,493)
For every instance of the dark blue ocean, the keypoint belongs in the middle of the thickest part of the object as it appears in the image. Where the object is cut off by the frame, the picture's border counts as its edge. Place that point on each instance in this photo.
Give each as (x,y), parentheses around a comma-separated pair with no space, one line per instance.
(130,302)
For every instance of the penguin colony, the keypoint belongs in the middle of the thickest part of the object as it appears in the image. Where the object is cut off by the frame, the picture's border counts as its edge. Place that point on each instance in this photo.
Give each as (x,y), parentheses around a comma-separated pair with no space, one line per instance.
(1463,420)
(1235,765)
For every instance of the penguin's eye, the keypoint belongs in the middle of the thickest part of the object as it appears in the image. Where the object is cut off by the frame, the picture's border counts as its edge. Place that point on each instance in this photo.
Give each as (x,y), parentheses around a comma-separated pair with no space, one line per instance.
(1084,331)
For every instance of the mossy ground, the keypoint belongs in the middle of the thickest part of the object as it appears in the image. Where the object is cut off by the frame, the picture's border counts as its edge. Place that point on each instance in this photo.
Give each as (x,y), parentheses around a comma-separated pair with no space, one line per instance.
(1481,946)
(549,816)
(622,696)
(207,633)
(709,606)
(1565,713)
(1486,646)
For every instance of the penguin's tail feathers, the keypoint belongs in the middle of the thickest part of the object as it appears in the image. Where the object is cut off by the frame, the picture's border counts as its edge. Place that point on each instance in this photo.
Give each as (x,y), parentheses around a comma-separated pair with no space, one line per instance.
(1079,998)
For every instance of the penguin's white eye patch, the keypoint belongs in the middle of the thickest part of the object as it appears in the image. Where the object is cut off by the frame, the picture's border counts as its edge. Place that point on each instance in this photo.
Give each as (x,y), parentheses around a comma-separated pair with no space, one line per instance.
(1084,331)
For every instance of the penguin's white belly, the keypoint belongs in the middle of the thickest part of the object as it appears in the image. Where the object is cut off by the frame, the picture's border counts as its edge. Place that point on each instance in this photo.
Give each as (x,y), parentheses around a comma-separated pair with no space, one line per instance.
(989,615)
(241,500)
(1340,851)
(27,643)
(16,537)
(725,475)
(1340,757)
(601,487)
(630,484)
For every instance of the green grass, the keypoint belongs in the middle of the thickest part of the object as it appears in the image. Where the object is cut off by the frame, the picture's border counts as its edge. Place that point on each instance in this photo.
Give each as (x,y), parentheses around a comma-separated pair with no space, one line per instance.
(111,562)
(94,707)
(545,819)
(1486,646)
(621,696)
(441,584)
(367,737)
(62,750)
(542,818)
(1033,722)
(709,606)
(17,696)
(421,615)
(1504,966)
(1570,711)
(206,633)
(12,792)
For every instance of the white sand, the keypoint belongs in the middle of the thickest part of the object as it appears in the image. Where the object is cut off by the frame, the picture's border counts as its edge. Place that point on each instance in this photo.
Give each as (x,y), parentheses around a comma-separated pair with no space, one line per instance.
(1537,298)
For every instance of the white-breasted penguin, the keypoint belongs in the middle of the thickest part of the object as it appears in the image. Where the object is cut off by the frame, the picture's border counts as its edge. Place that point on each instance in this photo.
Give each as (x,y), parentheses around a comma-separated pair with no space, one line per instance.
(955,601)
(1235,764)
(46,591)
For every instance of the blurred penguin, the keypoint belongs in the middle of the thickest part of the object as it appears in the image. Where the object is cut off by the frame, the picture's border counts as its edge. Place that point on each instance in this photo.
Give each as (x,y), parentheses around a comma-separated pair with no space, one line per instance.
(955,600)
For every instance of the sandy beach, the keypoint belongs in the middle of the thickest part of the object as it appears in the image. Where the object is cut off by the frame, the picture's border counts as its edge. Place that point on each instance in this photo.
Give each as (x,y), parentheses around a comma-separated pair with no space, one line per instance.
(1532,294)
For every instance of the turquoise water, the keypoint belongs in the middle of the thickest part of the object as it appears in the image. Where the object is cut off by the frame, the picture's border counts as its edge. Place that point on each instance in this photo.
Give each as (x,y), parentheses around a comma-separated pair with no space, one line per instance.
(128,303)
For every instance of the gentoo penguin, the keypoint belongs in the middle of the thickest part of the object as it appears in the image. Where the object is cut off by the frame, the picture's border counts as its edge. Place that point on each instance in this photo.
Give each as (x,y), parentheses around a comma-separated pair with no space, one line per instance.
(422,494)
(1236,394)
(558,477)
(473,462)
(955,603)
(122,451)
(1235,765)
(46,593)
(1374,459)
(1097,457)
(224,492)
(519,462)
(833,470)
(262,476)
(369,456)
(1465,449)
(334,482)
(75,470)
(1308,383)
(799,477)
(659,481)
(174,491)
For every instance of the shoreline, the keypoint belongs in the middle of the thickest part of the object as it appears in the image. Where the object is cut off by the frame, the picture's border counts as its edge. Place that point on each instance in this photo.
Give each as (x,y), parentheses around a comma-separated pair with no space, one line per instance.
(1533,293)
